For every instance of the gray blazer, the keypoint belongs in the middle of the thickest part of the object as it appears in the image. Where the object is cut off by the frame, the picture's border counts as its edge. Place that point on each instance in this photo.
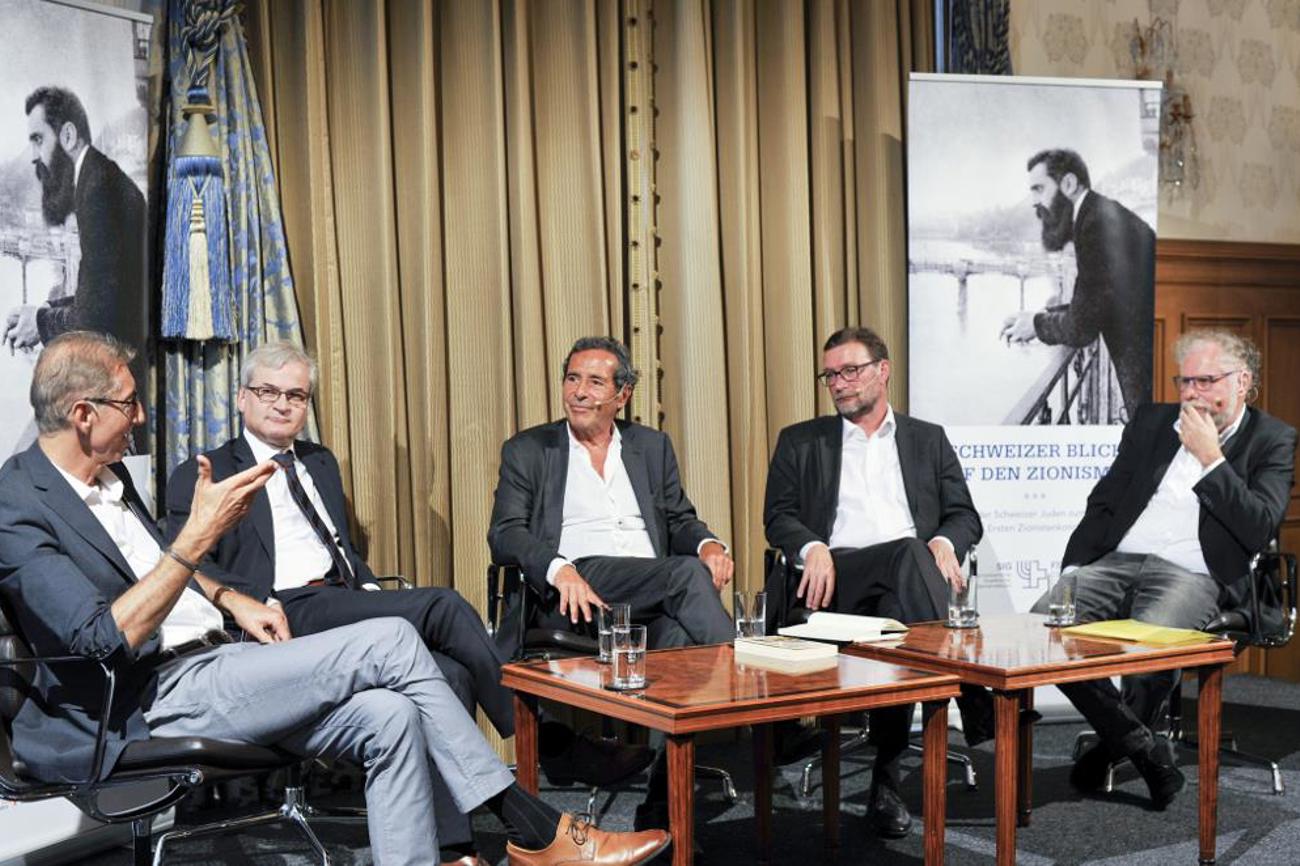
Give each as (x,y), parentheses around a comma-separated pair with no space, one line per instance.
(59,572)
(528,508)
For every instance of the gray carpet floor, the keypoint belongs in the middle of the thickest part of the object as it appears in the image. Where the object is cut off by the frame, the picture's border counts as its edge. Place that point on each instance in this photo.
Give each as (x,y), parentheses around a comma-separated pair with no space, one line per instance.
(1255,828)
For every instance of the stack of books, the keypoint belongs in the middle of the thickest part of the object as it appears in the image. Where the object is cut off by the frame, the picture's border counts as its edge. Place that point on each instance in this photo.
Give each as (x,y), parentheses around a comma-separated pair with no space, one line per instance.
(787,655)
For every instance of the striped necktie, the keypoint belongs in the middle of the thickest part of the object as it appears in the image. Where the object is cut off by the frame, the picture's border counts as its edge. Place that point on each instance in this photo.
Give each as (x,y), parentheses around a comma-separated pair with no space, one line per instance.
(342,574)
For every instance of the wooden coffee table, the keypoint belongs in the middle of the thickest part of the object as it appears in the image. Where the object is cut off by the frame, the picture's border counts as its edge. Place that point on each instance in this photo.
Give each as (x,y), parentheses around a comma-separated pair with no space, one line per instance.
(702,689)
(1013,654)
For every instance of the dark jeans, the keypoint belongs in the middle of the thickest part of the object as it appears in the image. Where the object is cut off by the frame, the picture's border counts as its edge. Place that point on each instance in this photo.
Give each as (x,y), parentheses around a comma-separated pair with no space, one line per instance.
(1150,589)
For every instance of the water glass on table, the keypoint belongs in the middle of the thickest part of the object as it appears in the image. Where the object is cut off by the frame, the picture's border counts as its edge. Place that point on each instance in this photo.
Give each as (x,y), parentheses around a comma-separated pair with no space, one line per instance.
(962,609)
(749,612)
(629,657)
(1061,599)
(607,619)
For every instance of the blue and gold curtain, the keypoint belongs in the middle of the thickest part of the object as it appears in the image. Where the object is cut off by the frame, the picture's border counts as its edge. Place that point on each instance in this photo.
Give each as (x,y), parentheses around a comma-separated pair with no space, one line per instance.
(978,37)
(202,378)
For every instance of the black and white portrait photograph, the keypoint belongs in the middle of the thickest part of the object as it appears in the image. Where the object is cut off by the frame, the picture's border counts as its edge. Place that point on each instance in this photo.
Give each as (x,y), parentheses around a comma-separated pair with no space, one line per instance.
(73,154)
(1031,249)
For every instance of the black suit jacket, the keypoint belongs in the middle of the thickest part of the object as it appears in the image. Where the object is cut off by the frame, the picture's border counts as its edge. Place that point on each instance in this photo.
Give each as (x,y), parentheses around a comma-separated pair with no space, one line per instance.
(1243,500)
(528,508)
(244,558)
(111,294)
(59,574)
(1114,293)
(803,485)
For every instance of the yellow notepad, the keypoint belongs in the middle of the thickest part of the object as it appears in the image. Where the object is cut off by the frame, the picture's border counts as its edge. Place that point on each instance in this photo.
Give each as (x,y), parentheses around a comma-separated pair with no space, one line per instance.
(1132,629)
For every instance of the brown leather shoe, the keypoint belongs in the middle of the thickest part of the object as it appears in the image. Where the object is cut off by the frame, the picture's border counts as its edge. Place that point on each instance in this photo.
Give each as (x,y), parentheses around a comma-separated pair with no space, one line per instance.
(577,841)
(467,860)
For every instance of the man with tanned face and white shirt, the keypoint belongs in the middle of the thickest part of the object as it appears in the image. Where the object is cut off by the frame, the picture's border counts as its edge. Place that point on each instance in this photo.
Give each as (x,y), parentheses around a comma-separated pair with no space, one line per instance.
(592,509)
(1198,488)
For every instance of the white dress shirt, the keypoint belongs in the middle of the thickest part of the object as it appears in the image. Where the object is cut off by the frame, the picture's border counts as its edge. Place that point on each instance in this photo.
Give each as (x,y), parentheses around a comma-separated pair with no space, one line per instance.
(300,557)
(601,516)
(872,506)
(193,615)
(1169,527)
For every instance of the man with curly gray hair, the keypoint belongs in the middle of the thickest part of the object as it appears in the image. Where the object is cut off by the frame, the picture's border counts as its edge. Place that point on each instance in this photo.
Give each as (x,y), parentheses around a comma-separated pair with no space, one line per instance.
(1198,487)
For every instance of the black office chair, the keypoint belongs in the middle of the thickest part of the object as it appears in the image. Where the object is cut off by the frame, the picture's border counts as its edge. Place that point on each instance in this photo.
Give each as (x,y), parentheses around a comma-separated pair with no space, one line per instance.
(530,639)
(183,763)
(782,582)
(1267,620)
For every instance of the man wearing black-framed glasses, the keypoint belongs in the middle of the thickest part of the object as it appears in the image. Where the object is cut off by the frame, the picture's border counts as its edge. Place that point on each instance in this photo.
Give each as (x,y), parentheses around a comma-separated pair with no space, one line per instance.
(1198,487)
(873,508)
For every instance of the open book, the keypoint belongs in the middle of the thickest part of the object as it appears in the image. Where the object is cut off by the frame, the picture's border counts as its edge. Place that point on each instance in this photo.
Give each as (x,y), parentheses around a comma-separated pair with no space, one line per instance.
(845,628)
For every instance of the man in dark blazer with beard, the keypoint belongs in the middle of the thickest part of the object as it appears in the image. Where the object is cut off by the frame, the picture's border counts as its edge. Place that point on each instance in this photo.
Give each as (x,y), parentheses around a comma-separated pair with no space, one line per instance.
(873,507)
(294,548)
(1196,490)
(76,178)
(1114,292)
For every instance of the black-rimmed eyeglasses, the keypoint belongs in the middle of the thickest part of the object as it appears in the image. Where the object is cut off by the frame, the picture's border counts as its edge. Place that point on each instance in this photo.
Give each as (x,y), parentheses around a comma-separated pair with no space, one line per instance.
(849,372)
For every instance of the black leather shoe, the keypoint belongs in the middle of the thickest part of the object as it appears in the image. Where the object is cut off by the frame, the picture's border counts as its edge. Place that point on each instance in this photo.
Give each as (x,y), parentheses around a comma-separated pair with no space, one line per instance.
(887,813)
(1164,780)
(598,763)
(1089,772)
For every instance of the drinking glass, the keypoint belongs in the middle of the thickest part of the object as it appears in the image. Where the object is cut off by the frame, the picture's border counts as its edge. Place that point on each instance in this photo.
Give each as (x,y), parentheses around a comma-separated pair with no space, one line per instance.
(607,619)
(629,657)
(962,609)
(1061,600)
(749,612)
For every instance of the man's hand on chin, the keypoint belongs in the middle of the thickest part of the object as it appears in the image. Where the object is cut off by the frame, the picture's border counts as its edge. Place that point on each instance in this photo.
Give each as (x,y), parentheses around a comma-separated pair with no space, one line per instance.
(719,562)
(946,558)
(1198,434)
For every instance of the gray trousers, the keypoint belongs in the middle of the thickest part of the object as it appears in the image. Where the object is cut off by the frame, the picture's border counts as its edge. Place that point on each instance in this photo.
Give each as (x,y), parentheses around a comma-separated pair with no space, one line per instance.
(367,692)
(1146,588)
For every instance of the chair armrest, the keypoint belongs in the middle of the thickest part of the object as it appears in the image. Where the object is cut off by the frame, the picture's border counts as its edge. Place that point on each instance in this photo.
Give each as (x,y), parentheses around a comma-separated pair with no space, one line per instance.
(393,581)
(106,703)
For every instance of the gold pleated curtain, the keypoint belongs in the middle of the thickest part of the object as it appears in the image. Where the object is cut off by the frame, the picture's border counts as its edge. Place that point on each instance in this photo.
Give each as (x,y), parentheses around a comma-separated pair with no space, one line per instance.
(452,181)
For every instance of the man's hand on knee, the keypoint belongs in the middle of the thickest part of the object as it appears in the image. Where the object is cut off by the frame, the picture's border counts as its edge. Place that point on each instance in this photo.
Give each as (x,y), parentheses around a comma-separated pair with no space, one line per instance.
(576,595)
(818,583)
(719,562)
(946,558)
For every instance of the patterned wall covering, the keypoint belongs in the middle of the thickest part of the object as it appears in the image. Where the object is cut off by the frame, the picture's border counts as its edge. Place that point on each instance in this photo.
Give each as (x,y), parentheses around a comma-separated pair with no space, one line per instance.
(1239,61)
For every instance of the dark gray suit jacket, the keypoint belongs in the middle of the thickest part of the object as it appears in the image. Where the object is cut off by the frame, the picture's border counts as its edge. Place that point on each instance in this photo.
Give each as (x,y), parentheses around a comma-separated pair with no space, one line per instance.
(803,486)
(59,572)
(1243,500)
(244,558)
(528,509)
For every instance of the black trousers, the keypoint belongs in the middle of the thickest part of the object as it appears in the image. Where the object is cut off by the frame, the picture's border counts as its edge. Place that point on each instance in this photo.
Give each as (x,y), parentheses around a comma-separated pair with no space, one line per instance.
(897,579)
(673,596)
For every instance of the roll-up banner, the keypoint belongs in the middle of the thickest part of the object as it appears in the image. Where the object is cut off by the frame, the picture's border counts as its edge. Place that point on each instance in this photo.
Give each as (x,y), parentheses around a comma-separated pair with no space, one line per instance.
(1031,297)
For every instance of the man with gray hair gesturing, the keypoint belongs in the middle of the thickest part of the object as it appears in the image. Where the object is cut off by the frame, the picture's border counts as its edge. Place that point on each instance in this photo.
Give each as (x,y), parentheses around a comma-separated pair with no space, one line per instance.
(84,571)
(1197,488)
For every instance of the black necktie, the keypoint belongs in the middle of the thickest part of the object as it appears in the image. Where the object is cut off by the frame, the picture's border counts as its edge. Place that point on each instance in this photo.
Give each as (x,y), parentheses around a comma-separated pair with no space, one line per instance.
(342,570)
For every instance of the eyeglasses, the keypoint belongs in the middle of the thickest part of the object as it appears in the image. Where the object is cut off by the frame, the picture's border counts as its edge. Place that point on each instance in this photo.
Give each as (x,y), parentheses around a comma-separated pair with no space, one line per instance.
(269,394)
(127,407)
(849,372)
(1200,383)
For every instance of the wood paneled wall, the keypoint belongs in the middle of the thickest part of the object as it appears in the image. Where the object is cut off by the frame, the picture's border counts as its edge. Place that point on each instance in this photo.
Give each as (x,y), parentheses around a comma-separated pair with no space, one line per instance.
(1253,289)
